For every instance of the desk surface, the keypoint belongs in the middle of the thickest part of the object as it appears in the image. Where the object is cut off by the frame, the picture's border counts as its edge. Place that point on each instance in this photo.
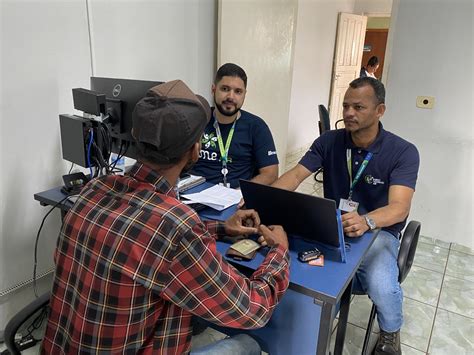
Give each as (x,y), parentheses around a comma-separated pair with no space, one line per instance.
(326,283)
(310,303)
(310,280)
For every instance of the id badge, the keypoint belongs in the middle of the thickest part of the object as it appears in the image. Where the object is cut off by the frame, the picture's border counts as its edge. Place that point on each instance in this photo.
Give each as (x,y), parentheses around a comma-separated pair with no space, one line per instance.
(348,205)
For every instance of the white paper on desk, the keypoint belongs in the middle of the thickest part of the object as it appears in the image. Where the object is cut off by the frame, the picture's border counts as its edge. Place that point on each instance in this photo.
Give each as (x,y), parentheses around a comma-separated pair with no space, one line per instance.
(217,197)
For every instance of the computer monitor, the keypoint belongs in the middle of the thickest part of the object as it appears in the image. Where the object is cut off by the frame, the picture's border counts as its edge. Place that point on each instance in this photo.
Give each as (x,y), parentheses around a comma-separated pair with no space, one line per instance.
(121,97)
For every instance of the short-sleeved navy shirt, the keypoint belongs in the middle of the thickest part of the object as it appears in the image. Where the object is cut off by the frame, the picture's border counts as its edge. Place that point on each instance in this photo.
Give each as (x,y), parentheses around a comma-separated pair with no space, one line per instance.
(395,162)
(251,148)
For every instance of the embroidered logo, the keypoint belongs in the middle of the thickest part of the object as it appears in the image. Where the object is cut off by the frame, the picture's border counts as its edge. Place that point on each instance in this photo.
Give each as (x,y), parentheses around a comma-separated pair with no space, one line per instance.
(209,140)
(270,152)
(369,179)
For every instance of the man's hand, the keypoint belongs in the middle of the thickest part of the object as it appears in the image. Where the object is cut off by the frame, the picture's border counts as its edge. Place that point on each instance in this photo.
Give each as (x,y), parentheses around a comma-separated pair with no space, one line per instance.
(243,222)
(354,224)
(273,235)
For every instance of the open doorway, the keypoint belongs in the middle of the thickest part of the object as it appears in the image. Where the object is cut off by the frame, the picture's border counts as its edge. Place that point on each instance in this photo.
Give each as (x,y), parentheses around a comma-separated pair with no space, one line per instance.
(375,42)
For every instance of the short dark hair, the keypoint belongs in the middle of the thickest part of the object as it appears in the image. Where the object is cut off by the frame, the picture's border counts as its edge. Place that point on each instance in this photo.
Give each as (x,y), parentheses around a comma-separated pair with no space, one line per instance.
(373,61)
(379,88)
(231,69)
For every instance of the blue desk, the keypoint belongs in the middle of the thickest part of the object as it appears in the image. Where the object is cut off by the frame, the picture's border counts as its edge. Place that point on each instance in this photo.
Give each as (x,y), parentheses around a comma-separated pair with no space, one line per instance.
(301,323)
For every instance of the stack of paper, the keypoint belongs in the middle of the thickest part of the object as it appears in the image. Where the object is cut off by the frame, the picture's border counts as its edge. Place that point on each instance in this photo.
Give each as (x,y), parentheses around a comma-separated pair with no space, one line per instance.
(217,197)
(189,182)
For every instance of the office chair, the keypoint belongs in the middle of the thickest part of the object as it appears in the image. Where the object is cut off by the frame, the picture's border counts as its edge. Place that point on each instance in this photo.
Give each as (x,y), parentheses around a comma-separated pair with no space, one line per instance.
(337,124)
(324,125)
(406,254)
(324,122)
(20,319)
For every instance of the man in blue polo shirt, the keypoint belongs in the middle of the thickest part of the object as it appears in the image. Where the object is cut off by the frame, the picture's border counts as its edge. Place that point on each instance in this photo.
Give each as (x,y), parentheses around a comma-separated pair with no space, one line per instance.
(371,173)
(236,144)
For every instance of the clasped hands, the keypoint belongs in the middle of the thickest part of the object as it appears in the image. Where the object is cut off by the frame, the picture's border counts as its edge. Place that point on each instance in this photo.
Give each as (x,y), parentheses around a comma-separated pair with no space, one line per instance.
(248,222)
(354,224)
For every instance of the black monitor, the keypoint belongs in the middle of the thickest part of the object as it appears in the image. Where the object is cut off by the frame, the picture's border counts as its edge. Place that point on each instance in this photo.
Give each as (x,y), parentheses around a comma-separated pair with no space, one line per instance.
(121,97)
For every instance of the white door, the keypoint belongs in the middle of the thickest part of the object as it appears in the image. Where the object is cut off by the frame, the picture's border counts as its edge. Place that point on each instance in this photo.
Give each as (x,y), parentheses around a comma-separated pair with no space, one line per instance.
(347,60)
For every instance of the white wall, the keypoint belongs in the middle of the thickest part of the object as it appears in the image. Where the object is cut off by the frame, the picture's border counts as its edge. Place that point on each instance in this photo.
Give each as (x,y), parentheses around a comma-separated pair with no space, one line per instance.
(432,55)
(155,40)
(259,36)
(45,53)
(314,52)
(373,8)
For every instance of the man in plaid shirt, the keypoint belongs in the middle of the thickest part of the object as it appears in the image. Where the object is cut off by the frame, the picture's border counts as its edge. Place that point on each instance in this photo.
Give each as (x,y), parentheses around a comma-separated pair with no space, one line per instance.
(134,264)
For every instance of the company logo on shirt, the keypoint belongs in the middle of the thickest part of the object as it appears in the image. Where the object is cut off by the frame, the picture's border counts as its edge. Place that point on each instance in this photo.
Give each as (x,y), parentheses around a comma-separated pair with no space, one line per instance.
(209,140)
(272,152)
(369,179)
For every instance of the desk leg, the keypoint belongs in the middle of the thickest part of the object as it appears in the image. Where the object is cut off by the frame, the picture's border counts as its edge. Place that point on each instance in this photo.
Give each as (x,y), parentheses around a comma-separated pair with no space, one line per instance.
(343,316)
(325,328)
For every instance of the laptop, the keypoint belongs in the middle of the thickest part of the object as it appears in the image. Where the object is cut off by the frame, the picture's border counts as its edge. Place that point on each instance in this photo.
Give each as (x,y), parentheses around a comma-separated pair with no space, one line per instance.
(305,216)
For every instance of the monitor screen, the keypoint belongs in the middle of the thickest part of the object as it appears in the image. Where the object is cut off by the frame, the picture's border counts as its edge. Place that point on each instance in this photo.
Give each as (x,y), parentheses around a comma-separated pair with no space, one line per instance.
(121,97)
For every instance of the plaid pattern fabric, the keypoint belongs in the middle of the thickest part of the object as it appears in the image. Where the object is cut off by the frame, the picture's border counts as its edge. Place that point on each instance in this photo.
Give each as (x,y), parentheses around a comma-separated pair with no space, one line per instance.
(133,265)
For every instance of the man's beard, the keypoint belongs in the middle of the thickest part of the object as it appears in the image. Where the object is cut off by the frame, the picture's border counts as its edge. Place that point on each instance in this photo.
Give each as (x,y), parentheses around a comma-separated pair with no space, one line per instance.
(225,112)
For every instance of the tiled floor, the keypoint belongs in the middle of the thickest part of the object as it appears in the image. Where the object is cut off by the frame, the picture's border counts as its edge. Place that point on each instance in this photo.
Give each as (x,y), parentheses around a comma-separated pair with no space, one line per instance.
(438,299)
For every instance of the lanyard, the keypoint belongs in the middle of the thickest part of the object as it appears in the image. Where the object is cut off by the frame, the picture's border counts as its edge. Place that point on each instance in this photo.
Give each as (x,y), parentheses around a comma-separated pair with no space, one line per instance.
(359,172)
(224,150)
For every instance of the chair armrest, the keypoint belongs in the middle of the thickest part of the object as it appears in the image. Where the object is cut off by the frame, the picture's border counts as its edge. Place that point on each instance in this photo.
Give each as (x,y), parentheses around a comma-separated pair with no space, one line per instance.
(406,254)
(20,318)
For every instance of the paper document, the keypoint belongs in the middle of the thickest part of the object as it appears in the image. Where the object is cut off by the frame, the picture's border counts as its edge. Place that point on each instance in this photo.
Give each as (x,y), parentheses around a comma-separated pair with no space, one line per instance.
(217,197)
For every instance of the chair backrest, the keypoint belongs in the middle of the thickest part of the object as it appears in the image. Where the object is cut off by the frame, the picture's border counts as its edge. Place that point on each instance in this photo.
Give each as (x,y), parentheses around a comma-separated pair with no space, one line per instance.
(408,244)
(338,123)
(20,318)
(324,123)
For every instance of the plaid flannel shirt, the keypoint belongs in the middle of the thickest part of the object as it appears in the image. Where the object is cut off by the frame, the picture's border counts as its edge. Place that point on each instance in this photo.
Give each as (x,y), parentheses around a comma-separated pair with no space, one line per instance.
(133,264)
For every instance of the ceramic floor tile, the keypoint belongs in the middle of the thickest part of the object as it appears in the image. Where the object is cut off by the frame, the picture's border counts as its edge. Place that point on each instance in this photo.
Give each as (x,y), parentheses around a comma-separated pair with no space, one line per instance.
(293,158)
(408,350)
(452,334)
(431,257)
(423,285)
(434,241)
(418,322)
(462,249)
(460,265)
(354,340)
(318,191)
(306,188)
(360,311)
(457,295)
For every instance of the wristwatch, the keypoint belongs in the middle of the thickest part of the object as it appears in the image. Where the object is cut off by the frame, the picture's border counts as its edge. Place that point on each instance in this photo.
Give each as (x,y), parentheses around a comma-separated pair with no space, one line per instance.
(370,222)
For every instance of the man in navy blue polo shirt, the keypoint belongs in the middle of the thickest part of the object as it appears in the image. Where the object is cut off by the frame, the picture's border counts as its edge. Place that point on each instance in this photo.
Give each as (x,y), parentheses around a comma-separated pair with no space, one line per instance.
(236,144)
(371,173)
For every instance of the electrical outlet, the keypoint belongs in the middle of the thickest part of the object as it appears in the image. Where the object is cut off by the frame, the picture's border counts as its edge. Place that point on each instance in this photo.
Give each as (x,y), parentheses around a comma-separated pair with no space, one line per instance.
(425,101)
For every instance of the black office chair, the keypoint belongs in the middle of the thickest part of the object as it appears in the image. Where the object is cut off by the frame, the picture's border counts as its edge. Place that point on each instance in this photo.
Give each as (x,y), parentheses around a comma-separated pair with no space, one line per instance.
(338,123)
(324,125)
(406,254)
(22,318)
(324,122)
